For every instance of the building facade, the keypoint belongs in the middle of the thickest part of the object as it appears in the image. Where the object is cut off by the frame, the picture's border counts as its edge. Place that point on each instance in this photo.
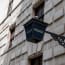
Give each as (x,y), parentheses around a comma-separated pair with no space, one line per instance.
(16,50)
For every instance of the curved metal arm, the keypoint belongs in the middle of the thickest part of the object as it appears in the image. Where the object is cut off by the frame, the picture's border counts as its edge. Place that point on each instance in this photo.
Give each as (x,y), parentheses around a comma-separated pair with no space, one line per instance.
(59,38)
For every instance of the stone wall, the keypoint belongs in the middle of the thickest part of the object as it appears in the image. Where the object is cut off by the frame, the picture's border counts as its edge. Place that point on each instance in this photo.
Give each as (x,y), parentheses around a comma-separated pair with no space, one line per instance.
(21,50)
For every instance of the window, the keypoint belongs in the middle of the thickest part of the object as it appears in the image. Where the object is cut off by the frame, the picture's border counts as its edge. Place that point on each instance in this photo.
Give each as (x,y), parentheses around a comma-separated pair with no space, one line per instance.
(39,10)
(37,60)
(12,34)
(12,31)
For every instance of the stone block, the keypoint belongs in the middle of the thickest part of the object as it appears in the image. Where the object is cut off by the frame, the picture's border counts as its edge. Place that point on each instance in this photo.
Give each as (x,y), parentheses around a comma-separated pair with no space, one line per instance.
(55,2)
(46,46)
(23,62)
(3,33)
(19,38)
(17,51)
(3,42)
(12,63)
(48,18)
(19,28)
(58,50)
(48,6)
(50,62)
(24,49)
(60,60)
(40,46)
(47,37)
(25,12)
(23,35)
(29,48)
(57,28)
(13,54)
(47,54)
(58,14)
(34,48)
(3,49)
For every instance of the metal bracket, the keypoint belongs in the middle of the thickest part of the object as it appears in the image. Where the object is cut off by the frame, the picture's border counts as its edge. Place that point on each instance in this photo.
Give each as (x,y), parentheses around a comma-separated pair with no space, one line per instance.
(59,38)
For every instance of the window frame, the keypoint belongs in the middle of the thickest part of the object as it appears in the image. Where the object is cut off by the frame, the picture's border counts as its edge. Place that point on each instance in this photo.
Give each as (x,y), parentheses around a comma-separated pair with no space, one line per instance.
(34,56)
(11,33)
(37,5)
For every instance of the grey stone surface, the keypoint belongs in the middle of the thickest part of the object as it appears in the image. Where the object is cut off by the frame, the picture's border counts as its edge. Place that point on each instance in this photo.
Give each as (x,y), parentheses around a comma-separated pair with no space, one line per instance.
(48,6)
(48,18)
(29,47)
(50,62)
(53,53)
(24,48)
(19,28)
(58,50)
(55,2)
(13,54)
(58,14)
(47,54)
(60,60)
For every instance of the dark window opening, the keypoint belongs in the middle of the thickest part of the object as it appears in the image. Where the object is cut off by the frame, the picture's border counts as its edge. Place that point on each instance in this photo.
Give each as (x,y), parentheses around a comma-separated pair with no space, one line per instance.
(36,61)
(39,10)
(12,31)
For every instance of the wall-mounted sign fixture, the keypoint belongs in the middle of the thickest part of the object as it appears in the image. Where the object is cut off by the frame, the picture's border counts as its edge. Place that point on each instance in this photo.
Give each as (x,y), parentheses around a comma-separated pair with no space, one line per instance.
(35,30)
